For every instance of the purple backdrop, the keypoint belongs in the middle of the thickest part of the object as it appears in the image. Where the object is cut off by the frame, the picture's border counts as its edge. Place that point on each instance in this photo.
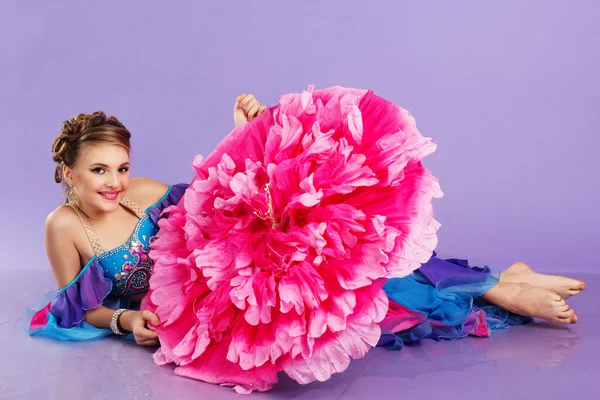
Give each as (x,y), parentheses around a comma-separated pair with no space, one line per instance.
(509,91)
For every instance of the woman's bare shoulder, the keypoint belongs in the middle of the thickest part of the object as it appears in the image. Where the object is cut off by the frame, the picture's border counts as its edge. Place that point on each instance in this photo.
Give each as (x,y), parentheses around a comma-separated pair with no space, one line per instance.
(146,191)
(62,219)
(61,230)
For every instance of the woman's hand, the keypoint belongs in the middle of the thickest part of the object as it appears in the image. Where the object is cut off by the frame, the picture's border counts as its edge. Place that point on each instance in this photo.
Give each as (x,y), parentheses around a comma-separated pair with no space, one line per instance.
(246,108)
(137,322)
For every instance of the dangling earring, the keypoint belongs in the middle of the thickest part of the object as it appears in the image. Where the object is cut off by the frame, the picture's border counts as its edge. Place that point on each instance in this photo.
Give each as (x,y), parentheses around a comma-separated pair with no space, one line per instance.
(71,196)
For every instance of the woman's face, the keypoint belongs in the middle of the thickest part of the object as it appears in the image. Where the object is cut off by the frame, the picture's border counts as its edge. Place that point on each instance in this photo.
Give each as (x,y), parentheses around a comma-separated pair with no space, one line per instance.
(100,177)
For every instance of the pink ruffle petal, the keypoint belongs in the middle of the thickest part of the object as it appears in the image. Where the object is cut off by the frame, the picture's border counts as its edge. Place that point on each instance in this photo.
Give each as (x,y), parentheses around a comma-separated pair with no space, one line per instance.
(275,258)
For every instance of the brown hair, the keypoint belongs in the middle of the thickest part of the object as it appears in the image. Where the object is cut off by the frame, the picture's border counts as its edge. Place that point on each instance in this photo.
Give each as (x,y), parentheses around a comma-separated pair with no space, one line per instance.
(86,128)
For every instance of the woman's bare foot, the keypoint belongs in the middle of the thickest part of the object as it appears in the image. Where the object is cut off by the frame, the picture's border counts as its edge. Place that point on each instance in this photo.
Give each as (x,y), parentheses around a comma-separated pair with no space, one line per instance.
(522,273)
(527,300)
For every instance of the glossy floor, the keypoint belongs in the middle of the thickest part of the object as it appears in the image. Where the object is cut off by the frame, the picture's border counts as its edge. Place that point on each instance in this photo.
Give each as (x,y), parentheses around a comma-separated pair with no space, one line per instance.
(537,361)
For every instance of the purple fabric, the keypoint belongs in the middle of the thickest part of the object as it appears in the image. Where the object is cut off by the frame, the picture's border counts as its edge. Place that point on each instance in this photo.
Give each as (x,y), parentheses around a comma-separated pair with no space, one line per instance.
(172,198)
(436,270)
(86,292)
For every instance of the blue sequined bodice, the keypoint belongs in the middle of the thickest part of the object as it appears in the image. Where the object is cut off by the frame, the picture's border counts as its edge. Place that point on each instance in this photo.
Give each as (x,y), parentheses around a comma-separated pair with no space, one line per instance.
(129,266)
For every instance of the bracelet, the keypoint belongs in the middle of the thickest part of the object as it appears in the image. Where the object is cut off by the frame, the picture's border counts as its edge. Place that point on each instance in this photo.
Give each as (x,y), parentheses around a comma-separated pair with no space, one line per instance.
(114,322)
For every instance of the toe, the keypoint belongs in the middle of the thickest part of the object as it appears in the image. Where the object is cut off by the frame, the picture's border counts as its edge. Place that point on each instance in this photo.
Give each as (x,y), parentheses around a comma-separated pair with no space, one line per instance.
(563,308)
(576,284)
(567,313)
(562,321)
(569,320)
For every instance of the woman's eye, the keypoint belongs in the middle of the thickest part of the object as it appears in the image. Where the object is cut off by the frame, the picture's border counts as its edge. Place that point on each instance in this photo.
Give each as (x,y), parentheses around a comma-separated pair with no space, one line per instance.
(124,169)
(98,170)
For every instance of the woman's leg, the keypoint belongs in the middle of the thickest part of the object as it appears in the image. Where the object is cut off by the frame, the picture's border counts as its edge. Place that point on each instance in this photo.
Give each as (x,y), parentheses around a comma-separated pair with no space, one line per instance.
(519,289)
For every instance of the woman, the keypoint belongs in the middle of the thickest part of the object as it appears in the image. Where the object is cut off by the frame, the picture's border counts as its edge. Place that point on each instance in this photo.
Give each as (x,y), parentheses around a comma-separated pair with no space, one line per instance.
(92,156)
(443,299)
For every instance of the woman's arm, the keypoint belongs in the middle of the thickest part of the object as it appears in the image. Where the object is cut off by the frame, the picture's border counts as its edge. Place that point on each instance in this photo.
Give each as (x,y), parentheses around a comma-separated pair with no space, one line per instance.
(61,228)
(128,321)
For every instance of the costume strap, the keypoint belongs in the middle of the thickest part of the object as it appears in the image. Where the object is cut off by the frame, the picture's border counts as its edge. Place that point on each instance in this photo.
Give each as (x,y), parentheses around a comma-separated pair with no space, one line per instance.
(89,230)
(127,203)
